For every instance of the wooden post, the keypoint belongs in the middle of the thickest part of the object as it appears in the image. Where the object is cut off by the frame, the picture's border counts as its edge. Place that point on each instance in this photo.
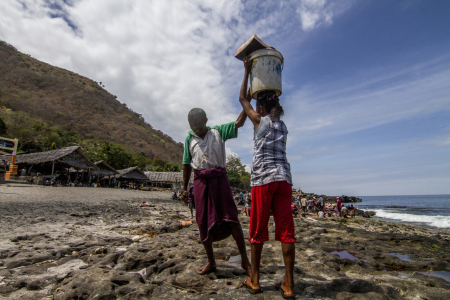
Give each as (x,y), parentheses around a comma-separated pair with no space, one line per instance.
(53,167)
(89,174)
(12,167)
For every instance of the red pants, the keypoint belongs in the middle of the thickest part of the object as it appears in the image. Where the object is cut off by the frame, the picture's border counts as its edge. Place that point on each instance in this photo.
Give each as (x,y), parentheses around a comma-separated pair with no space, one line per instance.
(275,196)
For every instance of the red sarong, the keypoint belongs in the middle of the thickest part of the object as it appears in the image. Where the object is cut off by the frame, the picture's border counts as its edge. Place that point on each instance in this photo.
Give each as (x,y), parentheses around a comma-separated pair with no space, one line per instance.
(214,204)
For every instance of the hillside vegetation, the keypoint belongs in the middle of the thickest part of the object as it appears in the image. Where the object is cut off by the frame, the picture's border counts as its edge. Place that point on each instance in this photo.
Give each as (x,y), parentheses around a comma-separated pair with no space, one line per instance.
(47,107)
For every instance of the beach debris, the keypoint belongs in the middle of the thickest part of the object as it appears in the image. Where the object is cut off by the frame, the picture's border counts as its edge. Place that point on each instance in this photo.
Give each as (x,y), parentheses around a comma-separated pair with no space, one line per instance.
(45,262)
(101,250)
(184,223)
(145,203)
(141,231)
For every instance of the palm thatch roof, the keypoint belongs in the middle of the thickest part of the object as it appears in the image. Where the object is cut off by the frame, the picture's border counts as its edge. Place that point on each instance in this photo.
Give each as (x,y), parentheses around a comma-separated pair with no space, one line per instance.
(167,177)
(104,169)
(72,156)
(131,173)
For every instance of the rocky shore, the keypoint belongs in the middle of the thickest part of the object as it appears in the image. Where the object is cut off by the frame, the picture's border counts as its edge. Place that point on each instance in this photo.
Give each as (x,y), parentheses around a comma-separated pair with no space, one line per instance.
(86,243)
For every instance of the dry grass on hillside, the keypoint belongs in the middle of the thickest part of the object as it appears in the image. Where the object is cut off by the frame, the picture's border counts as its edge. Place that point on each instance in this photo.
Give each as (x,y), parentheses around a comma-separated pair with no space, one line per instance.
(60,97)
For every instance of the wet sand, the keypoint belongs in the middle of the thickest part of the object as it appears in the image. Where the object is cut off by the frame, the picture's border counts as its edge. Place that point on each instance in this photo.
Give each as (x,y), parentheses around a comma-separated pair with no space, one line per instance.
(88,243)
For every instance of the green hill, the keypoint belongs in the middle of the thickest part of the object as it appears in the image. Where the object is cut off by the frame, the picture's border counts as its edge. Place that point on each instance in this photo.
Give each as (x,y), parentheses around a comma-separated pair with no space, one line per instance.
(49,107)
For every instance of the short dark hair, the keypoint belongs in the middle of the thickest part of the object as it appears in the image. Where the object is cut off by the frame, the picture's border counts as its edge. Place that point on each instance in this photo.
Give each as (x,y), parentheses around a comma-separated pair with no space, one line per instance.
(269,100)
(197,113)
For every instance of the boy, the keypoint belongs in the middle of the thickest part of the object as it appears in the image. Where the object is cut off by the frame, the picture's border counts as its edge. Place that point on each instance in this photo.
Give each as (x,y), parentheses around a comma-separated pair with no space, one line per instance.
(216,212)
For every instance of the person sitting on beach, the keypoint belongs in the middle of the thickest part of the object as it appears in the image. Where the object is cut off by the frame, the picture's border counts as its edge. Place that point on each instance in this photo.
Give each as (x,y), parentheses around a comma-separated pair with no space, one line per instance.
(271,183)
(216,212)
(174,196)
(344,211)
(294,210)
(351,211)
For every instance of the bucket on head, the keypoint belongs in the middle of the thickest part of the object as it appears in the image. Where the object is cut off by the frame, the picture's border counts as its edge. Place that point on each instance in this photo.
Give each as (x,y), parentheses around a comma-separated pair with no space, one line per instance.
(266,71)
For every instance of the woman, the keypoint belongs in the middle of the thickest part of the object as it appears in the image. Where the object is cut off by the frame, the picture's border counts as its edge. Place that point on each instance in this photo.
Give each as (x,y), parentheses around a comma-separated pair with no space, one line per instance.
(271,183)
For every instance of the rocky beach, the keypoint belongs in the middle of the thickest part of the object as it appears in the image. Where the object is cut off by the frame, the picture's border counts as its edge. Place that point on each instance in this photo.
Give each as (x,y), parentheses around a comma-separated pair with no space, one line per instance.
(92,243)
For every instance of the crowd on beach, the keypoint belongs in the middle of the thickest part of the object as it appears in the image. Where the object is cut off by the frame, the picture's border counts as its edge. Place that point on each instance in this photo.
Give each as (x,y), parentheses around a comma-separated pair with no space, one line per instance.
(301,206)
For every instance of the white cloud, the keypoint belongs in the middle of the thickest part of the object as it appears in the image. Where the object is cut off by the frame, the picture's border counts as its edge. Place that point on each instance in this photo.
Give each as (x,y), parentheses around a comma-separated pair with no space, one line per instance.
(160,57)
(314,13)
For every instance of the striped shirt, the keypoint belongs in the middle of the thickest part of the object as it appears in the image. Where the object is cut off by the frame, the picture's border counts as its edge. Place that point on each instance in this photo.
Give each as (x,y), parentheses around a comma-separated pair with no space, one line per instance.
(269,158)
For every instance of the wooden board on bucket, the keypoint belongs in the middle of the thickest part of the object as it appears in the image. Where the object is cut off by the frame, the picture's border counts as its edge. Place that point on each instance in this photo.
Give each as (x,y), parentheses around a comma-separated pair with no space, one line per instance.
(253,44)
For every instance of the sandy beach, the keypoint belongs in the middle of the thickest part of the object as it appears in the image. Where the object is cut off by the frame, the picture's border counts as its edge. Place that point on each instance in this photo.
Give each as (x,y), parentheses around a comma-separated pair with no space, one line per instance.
(89,243)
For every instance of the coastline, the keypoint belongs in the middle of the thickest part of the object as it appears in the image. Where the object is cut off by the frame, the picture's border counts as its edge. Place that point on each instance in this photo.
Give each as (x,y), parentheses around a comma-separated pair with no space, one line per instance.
(59,243)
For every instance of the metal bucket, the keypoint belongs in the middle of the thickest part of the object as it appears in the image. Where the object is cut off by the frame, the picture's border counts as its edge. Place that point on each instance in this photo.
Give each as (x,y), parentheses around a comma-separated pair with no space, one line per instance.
(266,71)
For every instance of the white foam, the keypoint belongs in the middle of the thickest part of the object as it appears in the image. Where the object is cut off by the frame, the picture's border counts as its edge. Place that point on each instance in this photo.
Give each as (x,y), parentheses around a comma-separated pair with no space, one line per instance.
(435,221)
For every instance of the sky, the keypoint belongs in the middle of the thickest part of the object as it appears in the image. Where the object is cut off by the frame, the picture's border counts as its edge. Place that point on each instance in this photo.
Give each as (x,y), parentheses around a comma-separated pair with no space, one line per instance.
(366,84)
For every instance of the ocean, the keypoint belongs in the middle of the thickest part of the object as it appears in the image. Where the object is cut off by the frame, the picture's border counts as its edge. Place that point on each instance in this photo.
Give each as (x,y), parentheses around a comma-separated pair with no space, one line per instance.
(430,211)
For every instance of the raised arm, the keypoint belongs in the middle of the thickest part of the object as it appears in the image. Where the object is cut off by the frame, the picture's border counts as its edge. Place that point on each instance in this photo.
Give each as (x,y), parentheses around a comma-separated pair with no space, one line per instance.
(242,116)
(245,100)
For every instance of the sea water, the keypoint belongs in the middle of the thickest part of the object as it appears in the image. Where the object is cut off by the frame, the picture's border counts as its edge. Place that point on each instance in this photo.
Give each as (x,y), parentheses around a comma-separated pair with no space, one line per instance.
(430,211)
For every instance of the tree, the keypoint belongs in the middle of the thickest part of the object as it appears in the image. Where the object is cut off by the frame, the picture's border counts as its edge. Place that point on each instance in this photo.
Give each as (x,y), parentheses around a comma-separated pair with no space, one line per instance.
(3,126)
(169,167)
(234,163)
(117,156)
(236,173)
(140,160)
(159,163)
(234,178)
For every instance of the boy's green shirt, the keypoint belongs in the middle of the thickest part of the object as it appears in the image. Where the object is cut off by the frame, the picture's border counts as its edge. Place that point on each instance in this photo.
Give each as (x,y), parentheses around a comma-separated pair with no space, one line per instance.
(227,131)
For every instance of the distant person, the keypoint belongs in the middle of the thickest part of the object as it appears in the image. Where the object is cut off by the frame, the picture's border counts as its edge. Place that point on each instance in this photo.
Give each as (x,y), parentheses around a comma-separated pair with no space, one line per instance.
(338,206)
(215,211)
(344,211)
(310,205)
(175,195)
(247,208)
(304,203)
(320,203)
(294,210)
(271,183)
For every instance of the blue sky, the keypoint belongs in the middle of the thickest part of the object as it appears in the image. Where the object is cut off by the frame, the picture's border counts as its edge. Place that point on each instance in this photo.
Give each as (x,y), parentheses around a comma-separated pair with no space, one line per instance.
(366,84)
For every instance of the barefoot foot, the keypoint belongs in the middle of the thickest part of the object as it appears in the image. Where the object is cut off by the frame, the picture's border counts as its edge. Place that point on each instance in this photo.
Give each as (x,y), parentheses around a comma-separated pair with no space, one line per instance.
(208,268)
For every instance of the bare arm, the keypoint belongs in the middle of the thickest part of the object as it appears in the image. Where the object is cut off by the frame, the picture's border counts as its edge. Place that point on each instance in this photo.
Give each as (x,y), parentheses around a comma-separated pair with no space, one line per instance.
(245,102)
(187,170)
(241,119)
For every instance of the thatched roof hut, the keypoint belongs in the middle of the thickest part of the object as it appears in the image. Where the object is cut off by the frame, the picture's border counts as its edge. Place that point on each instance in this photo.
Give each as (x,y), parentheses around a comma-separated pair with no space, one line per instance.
(133,173)
(104,169)
(167,177)
(67,157)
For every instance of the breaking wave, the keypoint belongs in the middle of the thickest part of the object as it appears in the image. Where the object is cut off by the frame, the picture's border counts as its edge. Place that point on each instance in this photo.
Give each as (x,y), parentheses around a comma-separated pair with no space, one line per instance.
(435,221)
